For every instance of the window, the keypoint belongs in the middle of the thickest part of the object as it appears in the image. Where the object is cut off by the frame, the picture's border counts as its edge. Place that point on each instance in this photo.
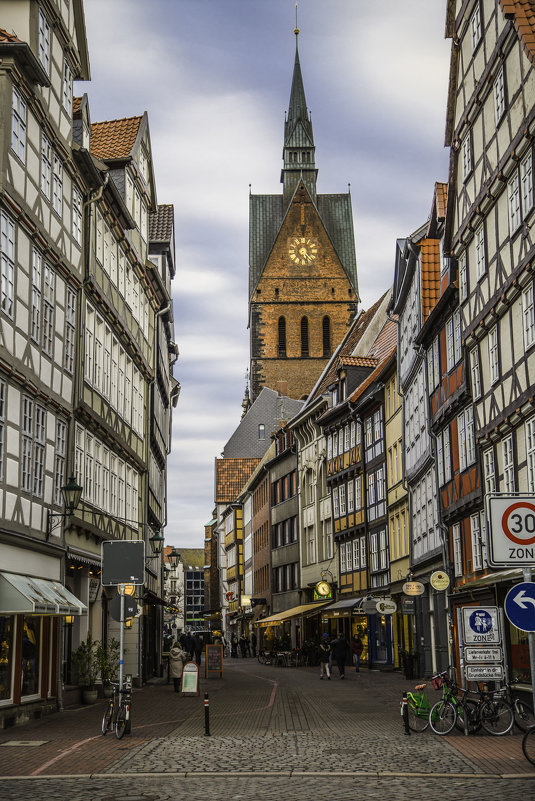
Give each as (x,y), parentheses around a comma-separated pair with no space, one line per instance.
(530,453)
(261,431)
(67,88)
(44,42)
(18,126)
(49,293)
(282,337)
(33,447)
(499,96)
(477,546)
(346,438)
(76,215)
(528,317)
(457,344)
(466,156)
(59,464)
(362,552)
(304,337)
(466,438)
(326,329)
(493,355)
(443,457)
(450,345)
(526,182)
(457,552)
(355,549)
(342,490)
(508,465)
(513,197)
(7,263)
(37,278)
(46,166)
(2,425)
(463,277)
(475,26)
(336,503)
(475,374)
(481,264)
(489,471)
(350,497)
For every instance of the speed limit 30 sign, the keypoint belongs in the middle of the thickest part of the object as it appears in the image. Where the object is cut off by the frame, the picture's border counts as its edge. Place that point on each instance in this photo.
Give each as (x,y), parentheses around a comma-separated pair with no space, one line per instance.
(511,537)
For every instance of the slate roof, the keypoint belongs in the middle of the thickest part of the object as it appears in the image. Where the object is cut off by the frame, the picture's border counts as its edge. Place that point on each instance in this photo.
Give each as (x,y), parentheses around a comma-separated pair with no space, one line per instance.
(161,223)
(266,214)
(192,557)
(114,139)
(270,410)
(230,477)
(523,13)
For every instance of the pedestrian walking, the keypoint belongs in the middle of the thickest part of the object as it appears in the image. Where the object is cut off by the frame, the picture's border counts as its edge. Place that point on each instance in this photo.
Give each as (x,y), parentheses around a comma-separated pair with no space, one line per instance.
(189,645)
(234,645)
(197,647)
(325,653)
(340,652)
(357,648)
(177,660)
(243,645)
(253,643)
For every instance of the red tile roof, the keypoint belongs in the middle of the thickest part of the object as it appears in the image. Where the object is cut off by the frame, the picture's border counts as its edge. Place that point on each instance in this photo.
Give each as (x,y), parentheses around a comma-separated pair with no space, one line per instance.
(523,14)
(114,139)
(430,275)
(441,194)
(357,361)
(231,475)
(387,345)
(8,37)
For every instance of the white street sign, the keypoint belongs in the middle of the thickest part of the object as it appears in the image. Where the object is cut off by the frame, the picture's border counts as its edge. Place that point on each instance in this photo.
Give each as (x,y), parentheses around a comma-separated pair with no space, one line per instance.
(511,536)
(483,672)
(481,625)
(483,654)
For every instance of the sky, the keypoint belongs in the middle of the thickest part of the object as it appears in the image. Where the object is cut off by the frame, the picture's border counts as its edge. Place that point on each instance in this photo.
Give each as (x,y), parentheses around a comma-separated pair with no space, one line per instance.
(214,77)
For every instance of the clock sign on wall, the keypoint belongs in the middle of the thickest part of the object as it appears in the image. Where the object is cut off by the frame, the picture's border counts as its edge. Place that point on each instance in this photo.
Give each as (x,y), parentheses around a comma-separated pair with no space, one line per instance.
(302,250)
(323,588)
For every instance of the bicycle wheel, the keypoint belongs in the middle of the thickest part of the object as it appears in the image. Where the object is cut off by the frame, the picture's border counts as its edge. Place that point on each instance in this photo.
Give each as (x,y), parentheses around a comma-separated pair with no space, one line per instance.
(106,720)
(471,709)
(417,718)
(261,658)
(120,724)
(528,745)
(524,717)
(496,716)
(442,717)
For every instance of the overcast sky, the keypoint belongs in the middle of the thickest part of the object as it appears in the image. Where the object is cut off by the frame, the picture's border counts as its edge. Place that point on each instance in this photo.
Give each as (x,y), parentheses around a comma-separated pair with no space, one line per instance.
(214,77)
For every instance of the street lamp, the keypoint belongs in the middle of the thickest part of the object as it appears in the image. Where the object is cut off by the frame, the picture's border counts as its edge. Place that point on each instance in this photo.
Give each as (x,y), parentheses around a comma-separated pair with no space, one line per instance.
(156,543)
(173,558)
(71,494)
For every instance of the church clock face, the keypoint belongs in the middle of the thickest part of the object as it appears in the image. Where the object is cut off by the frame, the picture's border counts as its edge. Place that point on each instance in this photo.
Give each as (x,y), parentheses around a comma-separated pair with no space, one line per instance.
(302,250)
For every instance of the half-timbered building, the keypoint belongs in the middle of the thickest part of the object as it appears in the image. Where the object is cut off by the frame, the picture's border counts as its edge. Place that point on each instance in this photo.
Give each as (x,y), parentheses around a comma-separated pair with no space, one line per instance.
(490,120)
(42,50)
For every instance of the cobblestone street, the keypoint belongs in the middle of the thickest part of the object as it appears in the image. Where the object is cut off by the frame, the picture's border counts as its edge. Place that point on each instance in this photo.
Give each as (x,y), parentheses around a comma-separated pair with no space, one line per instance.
(273,732)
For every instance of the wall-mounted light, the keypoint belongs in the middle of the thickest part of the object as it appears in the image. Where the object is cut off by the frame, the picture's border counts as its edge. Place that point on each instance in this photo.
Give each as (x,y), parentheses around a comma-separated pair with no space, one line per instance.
(71,494)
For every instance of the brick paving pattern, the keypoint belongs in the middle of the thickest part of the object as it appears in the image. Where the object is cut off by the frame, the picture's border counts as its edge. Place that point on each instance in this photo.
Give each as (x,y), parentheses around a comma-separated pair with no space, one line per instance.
(272,729)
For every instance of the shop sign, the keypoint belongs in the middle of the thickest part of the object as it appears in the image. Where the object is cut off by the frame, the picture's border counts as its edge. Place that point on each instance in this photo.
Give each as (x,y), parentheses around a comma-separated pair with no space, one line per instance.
(480,625)
(408,606)
(94,586)
(229,596)
(439,580)
(413,588)
(483,654)
(369,606)
(386,606)
(484,672)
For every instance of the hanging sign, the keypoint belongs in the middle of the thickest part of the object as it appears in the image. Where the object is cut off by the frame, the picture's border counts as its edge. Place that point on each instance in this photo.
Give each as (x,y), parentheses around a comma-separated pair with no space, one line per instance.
(439,580)
(190,679)
(386,606)
(413,588)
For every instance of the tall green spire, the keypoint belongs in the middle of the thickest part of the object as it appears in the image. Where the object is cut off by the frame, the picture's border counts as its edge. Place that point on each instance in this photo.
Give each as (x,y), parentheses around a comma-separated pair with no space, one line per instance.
(299,150)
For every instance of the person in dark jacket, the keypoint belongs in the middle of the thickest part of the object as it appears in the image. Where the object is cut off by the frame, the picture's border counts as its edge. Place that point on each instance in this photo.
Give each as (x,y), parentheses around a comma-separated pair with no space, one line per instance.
(325,653)
(357,648)
(190,645)
(340,649)
(234,645)
(198,646)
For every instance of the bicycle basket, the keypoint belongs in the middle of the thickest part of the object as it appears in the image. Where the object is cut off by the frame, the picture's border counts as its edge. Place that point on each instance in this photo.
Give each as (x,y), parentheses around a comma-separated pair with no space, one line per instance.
(437,682)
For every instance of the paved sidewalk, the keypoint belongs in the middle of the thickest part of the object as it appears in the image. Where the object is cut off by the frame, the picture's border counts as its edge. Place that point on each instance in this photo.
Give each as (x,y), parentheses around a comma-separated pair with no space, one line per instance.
(267,725)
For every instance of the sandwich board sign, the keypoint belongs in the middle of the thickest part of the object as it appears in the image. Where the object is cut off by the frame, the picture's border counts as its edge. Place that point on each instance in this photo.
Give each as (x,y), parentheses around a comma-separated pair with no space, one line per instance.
(190,679)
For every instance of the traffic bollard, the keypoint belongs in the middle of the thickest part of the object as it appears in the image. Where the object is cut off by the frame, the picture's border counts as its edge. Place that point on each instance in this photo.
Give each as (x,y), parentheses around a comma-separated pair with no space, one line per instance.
(405,713)
(206,715)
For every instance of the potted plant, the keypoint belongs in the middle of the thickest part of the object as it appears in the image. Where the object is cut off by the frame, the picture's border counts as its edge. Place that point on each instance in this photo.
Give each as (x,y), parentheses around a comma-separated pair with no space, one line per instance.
(108,662)
(86,664)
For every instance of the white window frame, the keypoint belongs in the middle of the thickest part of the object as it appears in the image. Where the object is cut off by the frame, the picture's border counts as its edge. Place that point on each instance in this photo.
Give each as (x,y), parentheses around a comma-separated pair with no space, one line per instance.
(498,91)
(457,550)
(475,26)
(67,88)
(463,276)
(466,156)
(477,548)
(47,158)
(475,373)
(18,126)
(481,260)
(528,316)
(530,452)
(77,205)
(494,364)
(513,201)
(508,464)
(450,345)
(526,182)
(489,470)
(44,41)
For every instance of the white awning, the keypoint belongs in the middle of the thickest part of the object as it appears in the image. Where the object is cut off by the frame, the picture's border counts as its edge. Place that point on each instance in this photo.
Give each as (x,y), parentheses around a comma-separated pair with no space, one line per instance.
(29,595)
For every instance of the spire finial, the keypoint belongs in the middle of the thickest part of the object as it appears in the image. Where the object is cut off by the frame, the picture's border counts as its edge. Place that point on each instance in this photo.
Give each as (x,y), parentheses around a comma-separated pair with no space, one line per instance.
(296,31)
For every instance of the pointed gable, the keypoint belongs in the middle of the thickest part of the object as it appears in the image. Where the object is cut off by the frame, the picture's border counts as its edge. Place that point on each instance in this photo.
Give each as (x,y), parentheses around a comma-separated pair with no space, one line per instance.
(114,139)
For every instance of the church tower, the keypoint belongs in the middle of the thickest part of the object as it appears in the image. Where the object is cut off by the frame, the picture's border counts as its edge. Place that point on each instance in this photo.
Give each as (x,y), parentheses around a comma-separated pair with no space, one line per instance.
(303,290)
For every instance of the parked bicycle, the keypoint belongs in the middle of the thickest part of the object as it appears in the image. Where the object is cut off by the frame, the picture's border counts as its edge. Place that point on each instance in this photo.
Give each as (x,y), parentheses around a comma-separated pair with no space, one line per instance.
(117,714)
(522,710)
(454,708)
(528,744)
(418,708)
(265,657)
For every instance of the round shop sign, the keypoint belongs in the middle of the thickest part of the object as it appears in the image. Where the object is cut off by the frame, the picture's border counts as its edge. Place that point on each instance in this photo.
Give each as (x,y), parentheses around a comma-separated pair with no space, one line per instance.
(439,580)
(386,606)
(413,588)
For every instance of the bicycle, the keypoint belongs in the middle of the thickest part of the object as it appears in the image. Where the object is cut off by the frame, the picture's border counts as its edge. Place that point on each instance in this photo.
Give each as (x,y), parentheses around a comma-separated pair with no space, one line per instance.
(265,657)
(528,744)
(418,708)
(451,710)
(522,711)
(117,713)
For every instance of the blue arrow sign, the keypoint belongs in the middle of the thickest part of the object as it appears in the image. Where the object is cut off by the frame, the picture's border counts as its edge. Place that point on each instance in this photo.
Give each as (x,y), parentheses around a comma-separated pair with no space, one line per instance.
(520,606)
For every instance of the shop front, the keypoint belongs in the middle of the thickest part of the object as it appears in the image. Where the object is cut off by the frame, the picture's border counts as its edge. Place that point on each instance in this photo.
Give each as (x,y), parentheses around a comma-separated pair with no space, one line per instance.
(346,617)
(31,610)
(290,629)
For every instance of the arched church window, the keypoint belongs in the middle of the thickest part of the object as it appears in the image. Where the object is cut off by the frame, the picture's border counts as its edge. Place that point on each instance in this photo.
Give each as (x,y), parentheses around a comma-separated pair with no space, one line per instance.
(326,336)
(304,337)
(282,337)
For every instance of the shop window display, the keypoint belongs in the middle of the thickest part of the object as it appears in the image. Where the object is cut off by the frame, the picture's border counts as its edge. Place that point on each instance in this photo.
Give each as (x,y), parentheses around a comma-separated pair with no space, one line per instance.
(6,656)
(31,647)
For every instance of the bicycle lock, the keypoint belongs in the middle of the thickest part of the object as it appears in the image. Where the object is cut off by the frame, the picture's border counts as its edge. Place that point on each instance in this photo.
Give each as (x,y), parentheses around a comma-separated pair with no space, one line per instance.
(405,713)
(206,715)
